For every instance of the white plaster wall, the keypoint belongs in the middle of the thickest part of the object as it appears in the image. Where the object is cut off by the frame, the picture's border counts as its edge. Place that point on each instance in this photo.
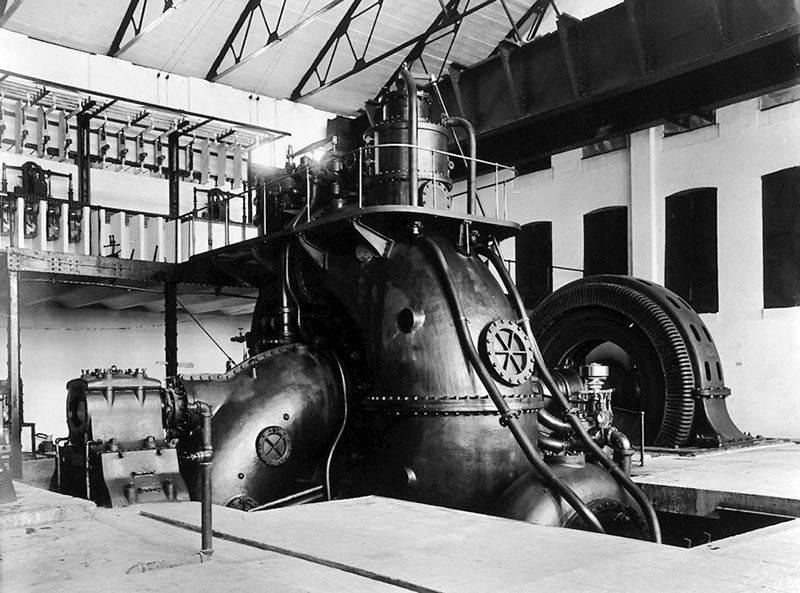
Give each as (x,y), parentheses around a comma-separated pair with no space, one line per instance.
(58,343)
(562,195)
(760,348)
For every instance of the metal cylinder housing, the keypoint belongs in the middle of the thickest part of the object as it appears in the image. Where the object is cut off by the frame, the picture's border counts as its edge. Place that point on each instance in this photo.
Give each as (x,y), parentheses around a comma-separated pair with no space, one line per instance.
(387,174)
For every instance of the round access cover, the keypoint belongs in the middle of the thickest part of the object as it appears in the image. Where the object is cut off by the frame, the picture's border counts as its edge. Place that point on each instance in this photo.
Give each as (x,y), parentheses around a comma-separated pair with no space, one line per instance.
(273,445)
(508,351)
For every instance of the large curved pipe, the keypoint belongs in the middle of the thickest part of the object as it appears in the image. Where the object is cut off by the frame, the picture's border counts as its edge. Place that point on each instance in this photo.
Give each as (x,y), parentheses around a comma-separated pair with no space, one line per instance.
(551,444)
(335,444)
(508,417)
(460,122)
(580,430)
(553,424)
(413,125)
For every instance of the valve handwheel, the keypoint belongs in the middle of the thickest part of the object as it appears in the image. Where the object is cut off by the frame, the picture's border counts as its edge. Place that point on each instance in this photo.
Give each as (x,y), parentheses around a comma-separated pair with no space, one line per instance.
(508,351)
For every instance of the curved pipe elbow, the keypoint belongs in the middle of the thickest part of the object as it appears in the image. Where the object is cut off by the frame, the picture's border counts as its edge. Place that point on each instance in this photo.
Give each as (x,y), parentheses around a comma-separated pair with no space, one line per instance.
(460,122)
(552,445)
(553,424)
(413,124)
(623,451)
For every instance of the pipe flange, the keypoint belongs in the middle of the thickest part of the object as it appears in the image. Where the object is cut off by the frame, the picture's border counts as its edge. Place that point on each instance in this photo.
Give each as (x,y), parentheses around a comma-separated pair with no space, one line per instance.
(508,352)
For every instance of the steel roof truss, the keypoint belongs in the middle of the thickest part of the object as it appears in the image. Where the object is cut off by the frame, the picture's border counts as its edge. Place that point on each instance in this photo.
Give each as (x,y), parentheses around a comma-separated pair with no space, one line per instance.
(449,14)
(362,63)
(244,28)
(532,18)
(131,20)
(6,12)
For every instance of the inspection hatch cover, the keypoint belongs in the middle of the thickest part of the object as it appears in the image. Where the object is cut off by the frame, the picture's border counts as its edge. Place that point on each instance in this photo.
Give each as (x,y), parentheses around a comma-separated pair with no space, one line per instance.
(508,351)
(273,445)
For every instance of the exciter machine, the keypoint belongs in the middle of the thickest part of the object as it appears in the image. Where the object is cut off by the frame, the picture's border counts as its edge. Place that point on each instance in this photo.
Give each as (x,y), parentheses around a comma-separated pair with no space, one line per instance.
(390,353)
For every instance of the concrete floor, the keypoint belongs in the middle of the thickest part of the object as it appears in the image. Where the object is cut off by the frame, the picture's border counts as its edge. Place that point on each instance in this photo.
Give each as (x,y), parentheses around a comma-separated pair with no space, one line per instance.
(377,544)
(763,478)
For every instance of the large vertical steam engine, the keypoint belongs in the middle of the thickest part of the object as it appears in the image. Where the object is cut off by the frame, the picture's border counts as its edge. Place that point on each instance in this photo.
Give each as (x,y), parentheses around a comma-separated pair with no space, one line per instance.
(390,352)
(387,358)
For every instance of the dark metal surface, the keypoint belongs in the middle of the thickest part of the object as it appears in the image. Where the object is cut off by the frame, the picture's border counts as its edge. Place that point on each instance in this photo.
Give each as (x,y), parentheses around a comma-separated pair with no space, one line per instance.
(528,500)
(508,351)
(401,294)
(662,357)
(290,391)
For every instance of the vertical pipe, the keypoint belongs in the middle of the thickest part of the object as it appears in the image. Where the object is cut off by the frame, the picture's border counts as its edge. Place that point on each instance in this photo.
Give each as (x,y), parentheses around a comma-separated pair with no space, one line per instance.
(171,327)
(206,457)
(210,225)
(206,547)
(84,169)
(264,196)
(173,176)
(286,329)
(245,198)
(413,124)
(464,124)
(496,191)
(641,438)
(15,396)
(227,205)
(308,193)
(433,175)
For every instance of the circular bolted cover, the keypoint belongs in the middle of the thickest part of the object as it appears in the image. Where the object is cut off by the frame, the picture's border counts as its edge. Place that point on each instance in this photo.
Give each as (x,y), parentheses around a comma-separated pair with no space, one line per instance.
(508,351)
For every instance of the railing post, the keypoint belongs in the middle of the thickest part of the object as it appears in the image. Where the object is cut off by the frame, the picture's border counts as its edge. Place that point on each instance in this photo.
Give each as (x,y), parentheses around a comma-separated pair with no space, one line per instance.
(227,222)
(360,176)
(308,194)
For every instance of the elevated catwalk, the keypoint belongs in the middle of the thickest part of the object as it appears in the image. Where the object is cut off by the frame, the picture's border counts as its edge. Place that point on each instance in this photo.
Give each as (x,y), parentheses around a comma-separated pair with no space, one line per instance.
(378,544)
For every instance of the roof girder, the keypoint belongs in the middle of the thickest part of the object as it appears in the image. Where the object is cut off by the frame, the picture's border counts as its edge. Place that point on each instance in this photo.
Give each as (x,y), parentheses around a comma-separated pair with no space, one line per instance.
(274,36)
(360,62)
(139,28)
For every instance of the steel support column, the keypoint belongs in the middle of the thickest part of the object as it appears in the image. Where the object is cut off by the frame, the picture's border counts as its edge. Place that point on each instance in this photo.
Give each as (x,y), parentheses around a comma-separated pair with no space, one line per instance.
(84,168)
(173,174)
(15,395)
(171,327)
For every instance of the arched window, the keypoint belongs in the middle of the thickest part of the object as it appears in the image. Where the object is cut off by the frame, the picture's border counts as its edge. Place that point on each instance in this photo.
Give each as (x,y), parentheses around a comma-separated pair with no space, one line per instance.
(534,249)
(780,199)
(691,248)
(605,241)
